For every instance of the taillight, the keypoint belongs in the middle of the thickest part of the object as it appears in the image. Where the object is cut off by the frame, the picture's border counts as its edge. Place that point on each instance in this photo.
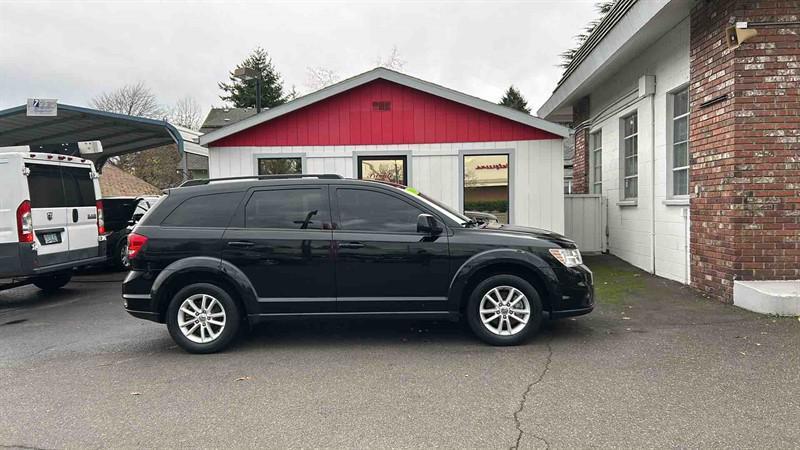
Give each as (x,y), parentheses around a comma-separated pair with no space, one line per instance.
(25,222)
(101,223)
(135,243)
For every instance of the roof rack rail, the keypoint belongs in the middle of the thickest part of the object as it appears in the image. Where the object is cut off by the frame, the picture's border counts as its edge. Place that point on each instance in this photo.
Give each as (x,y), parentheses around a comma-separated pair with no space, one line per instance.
(203,181)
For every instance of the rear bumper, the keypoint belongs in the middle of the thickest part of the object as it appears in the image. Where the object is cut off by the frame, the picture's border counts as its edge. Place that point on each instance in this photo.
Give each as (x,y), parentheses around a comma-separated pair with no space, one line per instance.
(136,296)
(19,260)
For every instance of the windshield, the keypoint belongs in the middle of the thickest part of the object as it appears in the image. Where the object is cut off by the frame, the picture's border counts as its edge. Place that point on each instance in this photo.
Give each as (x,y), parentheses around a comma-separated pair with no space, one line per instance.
(435,204)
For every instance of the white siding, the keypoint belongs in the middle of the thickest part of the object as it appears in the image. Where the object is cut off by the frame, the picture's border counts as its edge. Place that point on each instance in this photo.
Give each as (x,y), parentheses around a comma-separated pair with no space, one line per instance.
(630,227)
(537,172)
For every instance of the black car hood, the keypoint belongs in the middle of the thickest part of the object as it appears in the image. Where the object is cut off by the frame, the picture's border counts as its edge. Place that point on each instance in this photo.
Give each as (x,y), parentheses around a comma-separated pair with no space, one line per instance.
(538,233)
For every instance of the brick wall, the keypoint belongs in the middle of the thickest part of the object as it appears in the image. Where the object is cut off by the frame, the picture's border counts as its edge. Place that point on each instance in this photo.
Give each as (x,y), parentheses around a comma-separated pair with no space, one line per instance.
(580,163)
(745,148)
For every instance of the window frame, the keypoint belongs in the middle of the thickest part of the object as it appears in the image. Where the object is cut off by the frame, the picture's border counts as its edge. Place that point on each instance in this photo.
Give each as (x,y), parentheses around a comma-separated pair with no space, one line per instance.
(300,156)
(595,137)
(511,179)
(382,157)
(324,195)
(623,138)
(671,118)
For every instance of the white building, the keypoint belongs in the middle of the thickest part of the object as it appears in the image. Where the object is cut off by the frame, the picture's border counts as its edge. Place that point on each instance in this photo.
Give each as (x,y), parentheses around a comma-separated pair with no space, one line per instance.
(468,153)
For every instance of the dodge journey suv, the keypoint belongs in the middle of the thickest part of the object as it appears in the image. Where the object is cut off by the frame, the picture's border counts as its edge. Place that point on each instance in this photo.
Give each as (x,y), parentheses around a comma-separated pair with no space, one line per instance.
(218,254)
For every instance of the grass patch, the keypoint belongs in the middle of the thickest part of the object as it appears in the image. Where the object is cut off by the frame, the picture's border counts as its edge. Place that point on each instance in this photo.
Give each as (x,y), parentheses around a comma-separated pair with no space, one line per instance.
(613,285)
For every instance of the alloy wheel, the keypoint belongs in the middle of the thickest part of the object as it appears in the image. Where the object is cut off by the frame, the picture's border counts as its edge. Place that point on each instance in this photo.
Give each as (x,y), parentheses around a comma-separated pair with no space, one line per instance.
(201,318)
(504,310)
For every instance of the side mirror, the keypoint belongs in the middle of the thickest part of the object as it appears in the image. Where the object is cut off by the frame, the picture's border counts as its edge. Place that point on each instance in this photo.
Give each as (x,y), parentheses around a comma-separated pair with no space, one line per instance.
(427,224)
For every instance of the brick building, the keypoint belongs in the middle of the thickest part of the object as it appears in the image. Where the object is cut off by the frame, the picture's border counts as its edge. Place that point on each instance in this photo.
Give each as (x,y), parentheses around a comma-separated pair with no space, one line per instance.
(694,141)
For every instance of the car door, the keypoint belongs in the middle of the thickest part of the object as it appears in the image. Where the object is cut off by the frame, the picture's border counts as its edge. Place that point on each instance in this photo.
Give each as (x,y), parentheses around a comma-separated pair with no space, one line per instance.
(382,263)
(282,242)
(48,212)
(81,208)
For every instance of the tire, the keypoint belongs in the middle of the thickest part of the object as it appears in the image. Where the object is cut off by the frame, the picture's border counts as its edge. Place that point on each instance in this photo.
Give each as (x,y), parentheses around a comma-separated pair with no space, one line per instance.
(120,256)
(50,283)
(513,331)
(201,294)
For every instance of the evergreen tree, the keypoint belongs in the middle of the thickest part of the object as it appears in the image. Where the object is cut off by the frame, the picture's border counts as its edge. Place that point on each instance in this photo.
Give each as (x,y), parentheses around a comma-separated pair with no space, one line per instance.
(568,55)
(514,99)
(242,94)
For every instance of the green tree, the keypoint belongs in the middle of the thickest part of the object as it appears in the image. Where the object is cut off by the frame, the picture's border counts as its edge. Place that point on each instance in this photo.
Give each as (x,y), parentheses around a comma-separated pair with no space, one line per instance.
(514,99)
(568,55)
(242,94)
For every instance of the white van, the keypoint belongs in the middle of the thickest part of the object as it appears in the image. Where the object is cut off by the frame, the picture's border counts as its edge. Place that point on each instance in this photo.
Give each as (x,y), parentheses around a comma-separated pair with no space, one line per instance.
(51,218)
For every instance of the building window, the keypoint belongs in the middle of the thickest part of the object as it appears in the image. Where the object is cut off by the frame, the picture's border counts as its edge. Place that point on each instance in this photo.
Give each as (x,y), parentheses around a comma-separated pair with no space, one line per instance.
(680,143)
(383,168)
(280,166)
(486,186)
(568,179)
(596,141)
(630,155)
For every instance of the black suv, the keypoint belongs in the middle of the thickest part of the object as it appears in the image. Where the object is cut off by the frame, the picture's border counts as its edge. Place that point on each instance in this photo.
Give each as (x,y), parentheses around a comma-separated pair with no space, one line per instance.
(216,254)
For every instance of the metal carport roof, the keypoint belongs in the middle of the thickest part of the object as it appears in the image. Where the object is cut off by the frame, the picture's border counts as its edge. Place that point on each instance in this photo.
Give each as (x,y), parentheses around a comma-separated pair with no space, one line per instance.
(119,133)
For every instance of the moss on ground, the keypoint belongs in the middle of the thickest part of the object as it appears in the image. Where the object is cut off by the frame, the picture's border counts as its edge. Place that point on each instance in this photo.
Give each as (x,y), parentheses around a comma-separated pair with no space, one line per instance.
(615,284)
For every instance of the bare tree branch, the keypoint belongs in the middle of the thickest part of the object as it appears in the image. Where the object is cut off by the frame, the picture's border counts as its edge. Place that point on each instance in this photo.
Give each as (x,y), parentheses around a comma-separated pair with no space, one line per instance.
(131,99)
(393,61)
(186,113)
(320,77)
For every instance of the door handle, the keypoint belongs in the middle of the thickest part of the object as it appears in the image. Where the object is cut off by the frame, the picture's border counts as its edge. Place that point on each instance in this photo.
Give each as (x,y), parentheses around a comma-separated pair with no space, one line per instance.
(351,245)
(241,244)
(75,214)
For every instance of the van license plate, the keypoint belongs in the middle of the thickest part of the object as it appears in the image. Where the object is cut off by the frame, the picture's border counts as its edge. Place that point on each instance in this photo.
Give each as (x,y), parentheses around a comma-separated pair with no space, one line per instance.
(50,238)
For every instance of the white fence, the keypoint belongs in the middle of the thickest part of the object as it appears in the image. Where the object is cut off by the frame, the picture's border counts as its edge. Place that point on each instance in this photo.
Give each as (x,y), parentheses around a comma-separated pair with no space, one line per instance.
(585,221)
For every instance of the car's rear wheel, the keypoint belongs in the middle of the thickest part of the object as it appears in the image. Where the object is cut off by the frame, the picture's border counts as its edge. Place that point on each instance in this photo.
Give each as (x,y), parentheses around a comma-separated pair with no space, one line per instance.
(203,318)
(504,310)
(49,283)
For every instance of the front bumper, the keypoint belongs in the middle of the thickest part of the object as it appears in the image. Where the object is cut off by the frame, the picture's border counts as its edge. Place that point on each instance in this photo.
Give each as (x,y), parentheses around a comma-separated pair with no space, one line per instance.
(576,292)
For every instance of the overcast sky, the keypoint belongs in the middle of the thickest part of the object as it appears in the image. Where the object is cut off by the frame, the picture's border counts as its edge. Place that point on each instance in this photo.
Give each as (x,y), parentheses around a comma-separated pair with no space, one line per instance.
(75,50)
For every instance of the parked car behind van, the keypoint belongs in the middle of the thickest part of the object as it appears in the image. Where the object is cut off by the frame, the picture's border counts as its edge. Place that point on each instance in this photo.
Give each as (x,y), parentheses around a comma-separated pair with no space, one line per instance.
(51,218)
(121,213)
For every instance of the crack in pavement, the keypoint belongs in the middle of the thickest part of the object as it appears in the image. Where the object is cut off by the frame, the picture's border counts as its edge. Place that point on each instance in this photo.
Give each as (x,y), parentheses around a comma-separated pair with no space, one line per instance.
(524,399)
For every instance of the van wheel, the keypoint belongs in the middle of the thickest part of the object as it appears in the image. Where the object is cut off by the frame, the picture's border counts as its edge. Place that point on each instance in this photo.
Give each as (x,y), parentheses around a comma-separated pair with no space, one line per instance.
(50,283)
(504,310)
(203,318)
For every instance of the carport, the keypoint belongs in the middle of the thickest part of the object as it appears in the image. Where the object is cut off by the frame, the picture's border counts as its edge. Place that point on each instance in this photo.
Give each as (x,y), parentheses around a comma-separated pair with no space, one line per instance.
(119,134)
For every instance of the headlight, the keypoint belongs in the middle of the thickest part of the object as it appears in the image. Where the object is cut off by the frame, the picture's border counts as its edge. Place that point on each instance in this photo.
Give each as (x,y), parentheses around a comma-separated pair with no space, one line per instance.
(569,257)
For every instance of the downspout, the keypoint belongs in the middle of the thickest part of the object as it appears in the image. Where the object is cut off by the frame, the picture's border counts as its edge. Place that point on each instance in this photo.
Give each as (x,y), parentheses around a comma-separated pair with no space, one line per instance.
(653,176)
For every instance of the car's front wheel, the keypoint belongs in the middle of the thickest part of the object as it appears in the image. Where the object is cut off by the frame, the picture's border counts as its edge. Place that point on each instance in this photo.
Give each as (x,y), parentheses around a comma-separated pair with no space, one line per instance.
(203,318)
(504,310)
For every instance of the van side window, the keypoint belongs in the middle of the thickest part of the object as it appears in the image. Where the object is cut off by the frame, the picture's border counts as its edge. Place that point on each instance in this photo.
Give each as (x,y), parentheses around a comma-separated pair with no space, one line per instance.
(296,209)
(78,187)
(209,211)
(44,186)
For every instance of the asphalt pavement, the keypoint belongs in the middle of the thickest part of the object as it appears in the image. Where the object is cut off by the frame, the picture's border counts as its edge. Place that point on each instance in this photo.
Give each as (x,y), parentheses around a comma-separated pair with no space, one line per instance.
(655,365)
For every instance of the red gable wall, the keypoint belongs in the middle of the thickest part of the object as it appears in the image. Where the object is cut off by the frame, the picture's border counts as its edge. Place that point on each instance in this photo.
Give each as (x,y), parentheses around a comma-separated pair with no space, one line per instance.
(415,117)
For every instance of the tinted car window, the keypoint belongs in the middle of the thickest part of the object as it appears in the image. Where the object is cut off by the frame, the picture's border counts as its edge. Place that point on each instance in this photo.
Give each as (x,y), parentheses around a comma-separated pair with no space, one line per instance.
(212,211)
(44,186)
(365,210)
(298,209)
(78,187)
